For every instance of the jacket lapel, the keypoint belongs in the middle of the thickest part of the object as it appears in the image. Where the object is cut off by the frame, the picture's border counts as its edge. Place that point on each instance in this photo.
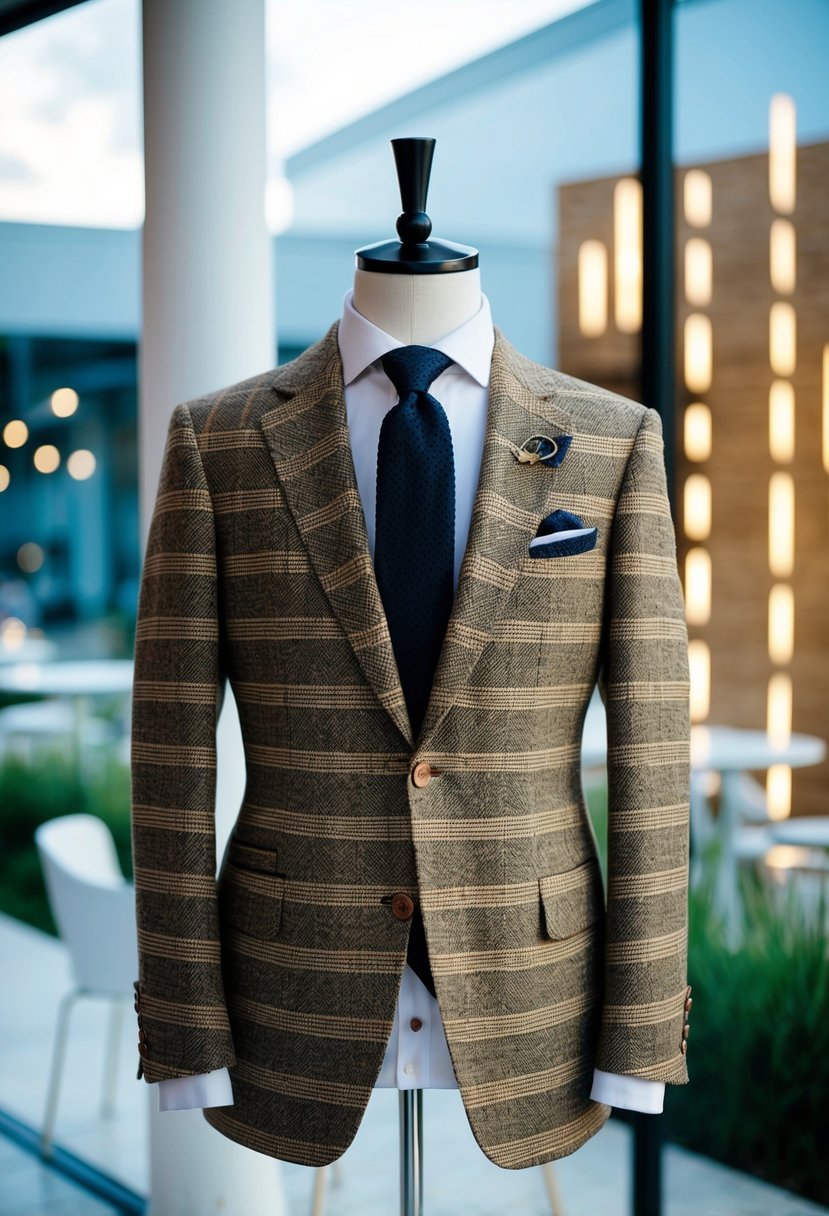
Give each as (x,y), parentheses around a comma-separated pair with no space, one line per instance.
(308,439)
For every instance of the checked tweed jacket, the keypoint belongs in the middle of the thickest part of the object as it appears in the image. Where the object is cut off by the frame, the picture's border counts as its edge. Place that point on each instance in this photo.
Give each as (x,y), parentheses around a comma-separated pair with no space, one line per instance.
(285,966)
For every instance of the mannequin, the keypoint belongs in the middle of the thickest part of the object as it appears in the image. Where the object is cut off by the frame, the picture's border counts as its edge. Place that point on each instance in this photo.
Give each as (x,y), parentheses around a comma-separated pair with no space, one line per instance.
(361,825)
(416,304)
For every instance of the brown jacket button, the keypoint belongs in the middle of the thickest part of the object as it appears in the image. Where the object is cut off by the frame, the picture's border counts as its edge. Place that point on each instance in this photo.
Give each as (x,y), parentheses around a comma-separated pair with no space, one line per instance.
(143,1049)
(415,1023)
(402,906)
(422,773)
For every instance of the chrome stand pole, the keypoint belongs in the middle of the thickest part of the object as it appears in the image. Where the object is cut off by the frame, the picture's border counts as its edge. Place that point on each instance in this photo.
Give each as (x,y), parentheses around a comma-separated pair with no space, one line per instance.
(411,1152)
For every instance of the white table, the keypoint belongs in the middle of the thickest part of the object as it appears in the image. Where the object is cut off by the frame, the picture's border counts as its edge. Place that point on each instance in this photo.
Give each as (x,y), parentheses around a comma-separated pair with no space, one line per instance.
(731,751)
(809,831)
(80,679)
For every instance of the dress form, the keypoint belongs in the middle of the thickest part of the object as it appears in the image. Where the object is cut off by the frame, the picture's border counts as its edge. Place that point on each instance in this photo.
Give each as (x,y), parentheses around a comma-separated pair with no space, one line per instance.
(416,303)
(417,308)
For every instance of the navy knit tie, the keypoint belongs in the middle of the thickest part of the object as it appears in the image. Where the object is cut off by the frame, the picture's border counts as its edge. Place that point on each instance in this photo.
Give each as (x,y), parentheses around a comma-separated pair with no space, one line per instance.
(414,544)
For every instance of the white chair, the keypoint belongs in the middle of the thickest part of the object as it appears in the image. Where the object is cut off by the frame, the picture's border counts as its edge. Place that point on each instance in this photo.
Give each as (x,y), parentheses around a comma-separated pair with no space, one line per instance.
(94,909)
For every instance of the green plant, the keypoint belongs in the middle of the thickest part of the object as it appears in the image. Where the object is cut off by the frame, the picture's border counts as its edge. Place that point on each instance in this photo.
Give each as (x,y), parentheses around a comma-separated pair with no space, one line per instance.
(759,1046)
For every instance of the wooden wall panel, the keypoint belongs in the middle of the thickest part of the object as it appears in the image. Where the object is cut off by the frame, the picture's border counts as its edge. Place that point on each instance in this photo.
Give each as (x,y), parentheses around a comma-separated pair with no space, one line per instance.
(741,463)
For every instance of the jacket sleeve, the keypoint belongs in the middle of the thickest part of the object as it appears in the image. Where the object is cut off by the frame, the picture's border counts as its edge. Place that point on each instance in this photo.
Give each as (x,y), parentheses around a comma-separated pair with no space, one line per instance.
(177,692)
(644,683)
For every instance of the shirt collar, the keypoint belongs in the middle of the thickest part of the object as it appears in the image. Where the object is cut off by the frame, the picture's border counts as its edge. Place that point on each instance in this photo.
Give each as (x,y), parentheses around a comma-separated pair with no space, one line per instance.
(361,342)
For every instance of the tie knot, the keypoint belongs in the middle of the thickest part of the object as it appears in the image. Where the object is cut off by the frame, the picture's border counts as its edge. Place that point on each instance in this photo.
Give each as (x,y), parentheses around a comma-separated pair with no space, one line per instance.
(412,369)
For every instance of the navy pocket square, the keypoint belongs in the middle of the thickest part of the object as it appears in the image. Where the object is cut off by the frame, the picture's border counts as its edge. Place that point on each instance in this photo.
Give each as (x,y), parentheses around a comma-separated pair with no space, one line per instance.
(560,534)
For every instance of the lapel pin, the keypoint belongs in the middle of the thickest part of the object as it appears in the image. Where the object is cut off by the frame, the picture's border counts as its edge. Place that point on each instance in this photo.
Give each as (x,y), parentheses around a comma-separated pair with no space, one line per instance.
(543,449)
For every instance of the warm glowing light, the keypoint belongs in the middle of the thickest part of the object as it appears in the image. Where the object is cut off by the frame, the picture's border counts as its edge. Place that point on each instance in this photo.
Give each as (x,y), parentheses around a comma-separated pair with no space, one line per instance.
(782,256)
(81,464)
(698,354)
(64,401)
(592,288)
(782,152)
(779,791)
(15,433)
(781,421)
(5,478)
(46,458)
(779,708)
(627,254)
(781,623)
(784,856)
(697,506)
(699,669)
(12,632)
(782,339)
(697,438)
(699,272)
(697,586)
(825,405)
(697,196)
(30,557)
(781,524)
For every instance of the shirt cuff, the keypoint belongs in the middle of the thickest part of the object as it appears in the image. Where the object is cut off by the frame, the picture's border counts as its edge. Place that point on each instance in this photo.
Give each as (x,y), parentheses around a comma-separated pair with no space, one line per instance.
(634,1093)
(203,1089)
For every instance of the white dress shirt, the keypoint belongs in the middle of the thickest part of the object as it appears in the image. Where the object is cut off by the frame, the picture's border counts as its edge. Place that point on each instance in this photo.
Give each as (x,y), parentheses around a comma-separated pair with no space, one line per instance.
(416,1059)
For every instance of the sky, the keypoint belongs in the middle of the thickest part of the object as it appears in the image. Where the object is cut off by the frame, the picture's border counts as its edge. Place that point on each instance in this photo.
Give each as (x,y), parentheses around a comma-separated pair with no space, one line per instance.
(70,95)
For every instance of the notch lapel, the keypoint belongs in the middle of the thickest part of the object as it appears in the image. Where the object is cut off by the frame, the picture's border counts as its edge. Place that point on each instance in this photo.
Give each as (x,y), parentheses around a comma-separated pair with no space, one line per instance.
(308,439)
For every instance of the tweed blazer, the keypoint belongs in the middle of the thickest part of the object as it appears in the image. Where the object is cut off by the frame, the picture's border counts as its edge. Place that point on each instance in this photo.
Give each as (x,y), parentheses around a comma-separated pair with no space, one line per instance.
(285,965)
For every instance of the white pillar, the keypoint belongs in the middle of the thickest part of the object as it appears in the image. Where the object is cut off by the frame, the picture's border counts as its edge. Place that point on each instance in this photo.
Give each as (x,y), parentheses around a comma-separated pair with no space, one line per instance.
(207,321)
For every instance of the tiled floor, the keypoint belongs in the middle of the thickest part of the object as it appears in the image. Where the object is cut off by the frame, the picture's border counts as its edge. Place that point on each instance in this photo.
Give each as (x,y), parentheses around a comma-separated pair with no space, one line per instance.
(458,1178)
(29,1189)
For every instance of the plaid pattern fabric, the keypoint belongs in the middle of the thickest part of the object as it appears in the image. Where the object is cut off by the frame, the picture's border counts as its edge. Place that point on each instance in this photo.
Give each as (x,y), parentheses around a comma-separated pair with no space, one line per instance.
(286,966)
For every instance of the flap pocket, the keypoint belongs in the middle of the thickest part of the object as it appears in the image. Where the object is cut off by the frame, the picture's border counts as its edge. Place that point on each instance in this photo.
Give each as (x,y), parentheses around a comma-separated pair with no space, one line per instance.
(252,856)
(251,890)
(572,899)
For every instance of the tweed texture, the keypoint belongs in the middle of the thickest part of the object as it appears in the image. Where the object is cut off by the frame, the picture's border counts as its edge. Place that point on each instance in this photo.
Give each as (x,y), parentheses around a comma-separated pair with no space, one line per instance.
(286,965)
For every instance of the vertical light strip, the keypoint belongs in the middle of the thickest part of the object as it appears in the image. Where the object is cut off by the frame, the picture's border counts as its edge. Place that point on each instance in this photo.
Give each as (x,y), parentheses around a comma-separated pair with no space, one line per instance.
(779,708)
(698,586)
(781,623)
(782,153)
(697,506)
(697,196)
(697,438)
(779,791)
(627,254)
(698,352)
(782,338)
(699,664)
(592,288)
(698,272)
(783,256)
(698,371)
(782,421)
(781,524)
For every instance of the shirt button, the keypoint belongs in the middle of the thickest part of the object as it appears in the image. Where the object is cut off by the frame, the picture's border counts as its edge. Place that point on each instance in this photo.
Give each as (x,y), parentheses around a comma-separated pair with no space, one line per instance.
(415,1023)
(409,1068)
(422,773)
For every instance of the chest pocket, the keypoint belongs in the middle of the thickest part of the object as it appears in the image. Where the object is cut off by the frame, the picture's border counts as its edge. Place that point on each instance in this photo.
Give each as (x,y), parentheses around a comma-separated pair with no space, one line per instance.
(571,900)
(251,890)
